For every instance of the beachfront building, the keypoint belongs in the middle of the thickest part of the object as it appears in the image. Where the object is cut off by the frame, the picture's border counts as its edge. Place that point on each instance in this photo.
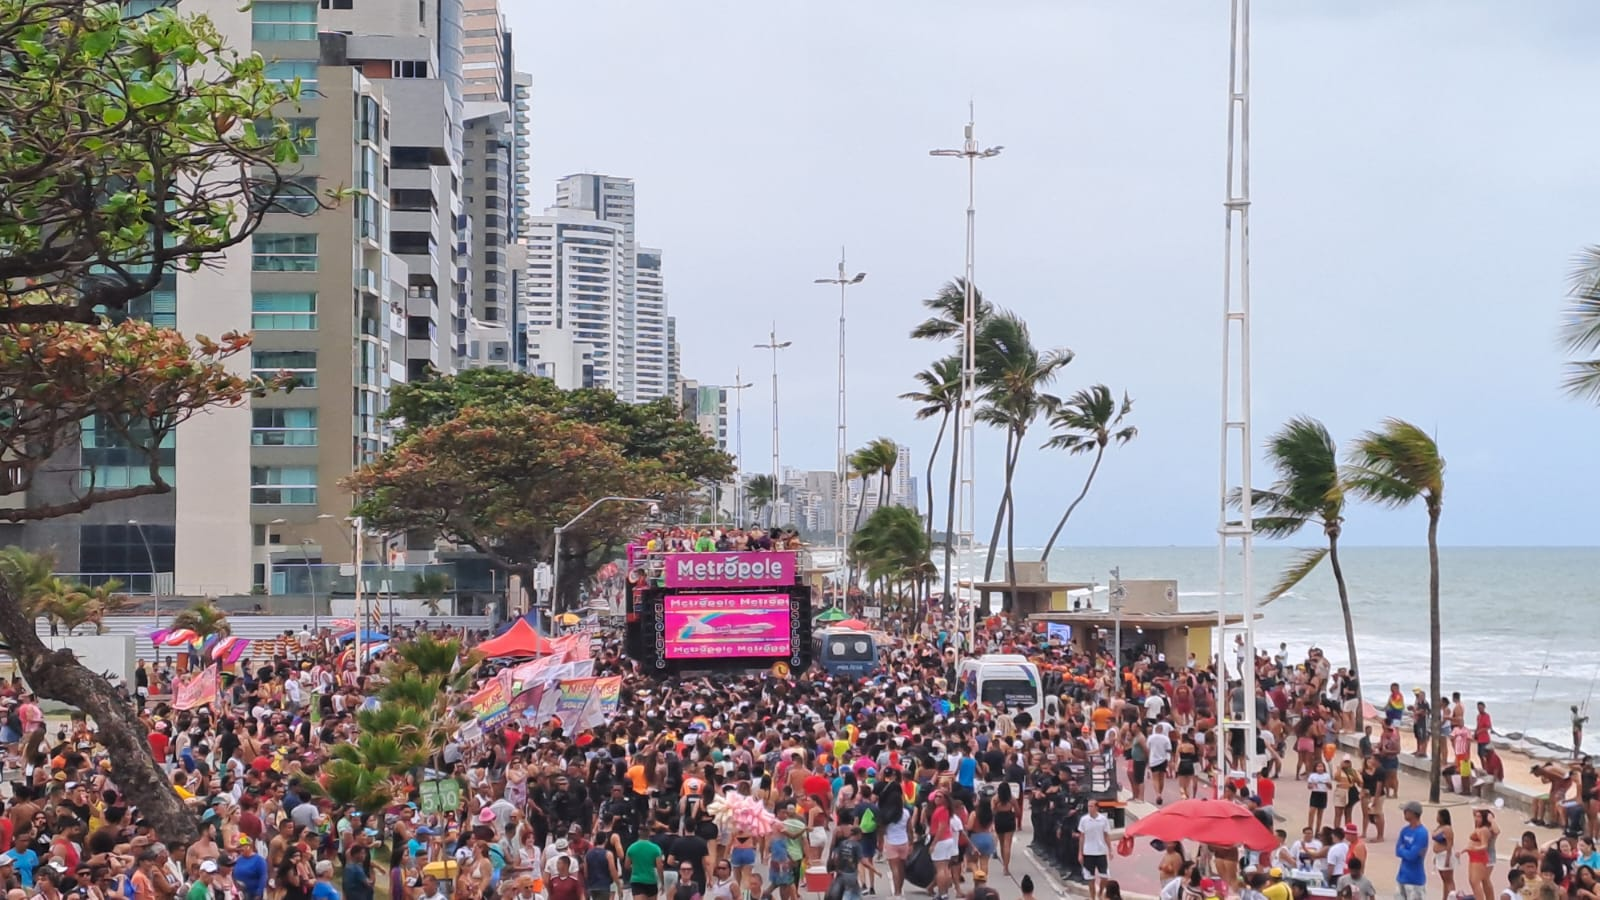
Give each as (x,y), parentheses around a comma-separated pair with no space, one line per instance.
(652,378)
(575,286)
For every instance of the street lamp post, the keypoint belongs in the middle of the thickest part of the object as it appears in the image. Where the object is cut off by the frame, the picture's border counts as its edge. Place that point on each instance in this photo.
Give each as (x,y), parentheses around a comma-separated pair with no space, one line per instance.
(844,281)
(155,595)
(555,567)
(360,527)
(967,500)
(1115,596)
(774,345)
(311,583)
(738,388)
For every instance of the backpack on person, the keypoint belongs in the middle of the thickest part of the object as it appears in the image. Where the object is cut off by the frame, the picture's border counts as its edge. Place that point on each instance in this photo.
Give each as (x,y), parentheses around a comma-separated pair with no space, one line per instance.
(869,821)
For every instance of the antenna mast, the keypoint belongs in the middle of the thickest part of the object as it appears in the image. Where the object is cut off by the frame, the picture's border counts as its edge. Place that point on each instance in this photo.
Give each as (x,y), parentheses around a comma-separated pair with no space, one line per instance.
(1236,439)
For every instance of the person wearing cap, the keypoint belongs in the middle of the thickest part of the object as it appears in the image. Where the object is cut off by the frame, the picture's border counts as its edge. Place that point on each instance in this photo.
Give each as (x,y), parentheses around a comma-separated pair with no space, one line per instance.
(250,870)
(201,889)
(1411,846)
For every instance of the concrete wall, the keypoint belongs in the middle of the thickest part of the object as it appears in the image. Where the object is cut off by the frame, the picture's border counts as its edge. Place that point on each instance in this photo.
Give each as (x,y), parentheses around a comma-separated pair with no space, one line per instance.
(104,653)
(1150,595)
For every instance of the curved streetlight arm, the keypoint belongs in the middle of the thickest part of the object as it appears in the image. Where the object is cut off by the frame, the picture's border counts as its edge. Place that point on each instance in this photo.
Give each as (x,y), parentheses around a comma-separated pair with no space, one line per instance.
(555,567)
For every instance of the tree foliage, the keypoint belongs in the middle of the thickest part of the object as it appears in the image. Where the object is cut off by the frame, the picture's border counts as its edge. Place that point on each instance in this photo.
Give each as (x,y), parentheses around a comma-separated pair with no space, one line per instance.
(1580,328)
(134,149)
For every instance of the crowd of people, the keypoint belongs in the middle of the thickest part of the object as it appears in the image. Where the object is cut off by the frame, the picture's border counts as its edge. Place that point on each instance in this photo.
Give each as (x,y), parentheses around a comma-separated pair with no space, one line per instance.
(883,783)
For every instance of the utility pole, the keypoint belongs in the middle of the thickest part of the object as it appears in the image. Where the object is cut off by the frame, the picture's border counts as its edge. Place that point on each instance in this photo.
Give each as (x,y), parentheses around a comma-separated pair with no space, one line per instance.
(774,345)
(841,492)
(738,388)
(1235,432)
(967,498)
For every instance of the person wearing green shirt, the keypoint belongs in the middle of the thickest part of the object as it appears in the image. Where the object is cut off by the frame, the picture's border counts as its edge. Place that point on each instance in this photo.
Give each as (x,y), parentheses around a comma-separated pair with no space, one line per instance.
(201,889)
(644,867)
(705,543)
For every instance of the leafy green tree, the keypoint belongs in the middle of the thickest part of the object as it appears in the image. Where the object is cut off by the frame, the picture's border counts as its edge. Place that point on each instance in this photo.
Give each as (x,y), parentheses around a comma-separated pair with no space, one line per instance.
(135,148)
(940,388)
(948,322)
(501,479)
(1015,379)
(1310,490)
(1580,329)
(1395,466)
(1087,422)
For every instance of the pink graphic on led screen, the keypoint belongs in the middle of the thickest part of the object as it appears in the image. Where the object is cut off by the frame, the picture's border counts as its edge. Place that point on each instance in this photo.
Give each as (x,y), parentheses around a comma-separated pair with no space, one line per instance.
(706,626)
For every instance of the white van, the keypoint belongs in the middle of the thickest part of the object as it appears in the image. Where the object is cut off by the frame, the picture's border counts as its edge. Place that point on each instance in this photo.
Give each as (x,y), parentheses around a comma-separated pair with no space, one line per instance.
(1003,678)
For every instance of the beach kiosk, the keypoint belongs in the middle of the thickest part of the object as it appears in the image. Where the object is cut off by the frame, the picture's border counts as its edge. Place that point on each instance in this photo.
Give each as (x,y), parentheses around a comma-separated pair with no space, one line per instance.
(1151,620)
(1033,592)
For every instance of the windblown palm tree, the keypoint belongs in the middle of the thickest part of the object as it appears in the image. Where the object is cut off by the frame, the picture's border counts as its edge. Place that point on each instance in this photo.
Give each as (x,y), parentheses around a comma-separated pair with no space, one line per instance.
(941,386)
(760,492)
(1088,421)
(885,453)
(1015,376)
(890,543)
(1310,490)
(1580,328)
(1395,466)
(28,577)
(108,600)
(948,321)
(863,467)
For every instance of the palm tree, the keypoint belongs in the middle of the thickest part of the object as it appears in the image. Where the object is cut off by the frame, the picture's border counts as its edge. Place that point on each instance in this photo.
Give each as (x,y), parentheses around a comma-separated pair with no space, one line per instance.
(431,587)
(890,544)
(29,577)
(948,308)
(941,385)
(108,599)
(1015,376)
(1310,490)
(863,465)
(884,453)
(760,492)
(1580,331)
(204,619)
(1088,421)
(949,321)
(1395,466)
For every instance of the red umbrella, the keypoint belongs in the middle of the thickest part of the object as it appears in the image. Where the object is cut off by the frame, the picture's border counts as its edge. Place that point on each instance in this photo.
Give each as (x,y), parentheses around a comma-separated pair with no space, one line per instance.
(1215,822)
(853,625)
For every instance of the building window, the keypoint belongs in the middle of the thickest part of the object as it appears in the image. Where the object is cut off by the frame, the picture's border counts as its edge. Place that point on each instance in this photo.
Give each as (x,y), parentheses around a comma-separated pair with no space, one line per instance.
(283,485)
(159,307)
(301,365)
(337,4)
(297,195)
(282,311)
(284,428)
(284,252)
(111,460)
(285,71)
(283,20)
(126,550)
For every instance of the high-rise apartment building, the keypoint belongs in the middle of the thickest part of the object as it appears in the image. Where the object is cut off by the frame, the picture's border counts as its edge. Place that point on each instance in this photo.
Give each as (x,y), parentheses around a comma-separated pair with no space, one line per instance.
(575,266)
(651,343)
(707,406)
(611,200)
(903,482)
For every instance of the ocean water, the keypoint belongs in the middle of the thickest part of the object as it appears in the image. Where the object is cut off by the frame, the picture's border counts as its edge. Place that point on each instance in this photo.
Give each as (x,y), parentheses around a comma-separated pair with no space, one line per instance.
(1520,626)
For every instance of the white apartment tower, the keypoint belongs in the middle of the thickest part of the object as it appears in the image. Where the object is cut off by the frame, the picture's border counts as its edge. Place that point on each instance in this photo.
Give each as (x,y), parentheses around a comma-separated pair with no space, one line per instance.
(610,199)
(652,375)
(574,295)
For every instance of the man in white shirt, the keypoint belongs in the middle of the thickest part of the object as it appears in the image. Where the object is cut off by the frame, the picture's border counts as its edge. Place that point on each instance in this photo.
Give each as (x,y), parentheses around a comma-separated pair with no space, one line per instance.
(1338,858)
(1154,706)
(1159,748)
(1094,847)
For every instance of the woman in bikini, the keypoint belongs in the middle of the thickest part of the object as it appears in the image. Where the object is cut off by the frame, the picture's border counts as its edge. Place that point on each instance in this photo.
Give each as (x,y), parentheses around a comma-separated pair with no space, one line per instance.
(1444,852)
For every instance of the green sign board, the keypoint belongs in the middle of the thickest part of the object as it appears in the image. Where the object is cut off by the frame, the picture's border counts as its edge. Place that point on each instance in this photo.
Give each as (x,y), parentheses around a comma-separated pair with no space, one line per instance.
(441,795)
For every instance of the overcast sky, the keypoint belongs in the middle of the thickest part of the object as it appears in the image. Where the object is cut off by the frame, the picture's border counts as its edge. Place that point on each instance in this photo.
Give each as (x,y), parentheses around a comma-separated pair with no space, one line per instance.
(1423,173)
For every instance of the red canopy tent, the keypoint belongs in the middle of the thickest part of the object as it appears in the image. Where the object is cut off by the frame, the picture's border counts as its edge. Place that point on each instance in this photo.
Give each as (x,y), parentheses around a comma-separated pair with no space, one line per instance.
(1216,822)
(518,640)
